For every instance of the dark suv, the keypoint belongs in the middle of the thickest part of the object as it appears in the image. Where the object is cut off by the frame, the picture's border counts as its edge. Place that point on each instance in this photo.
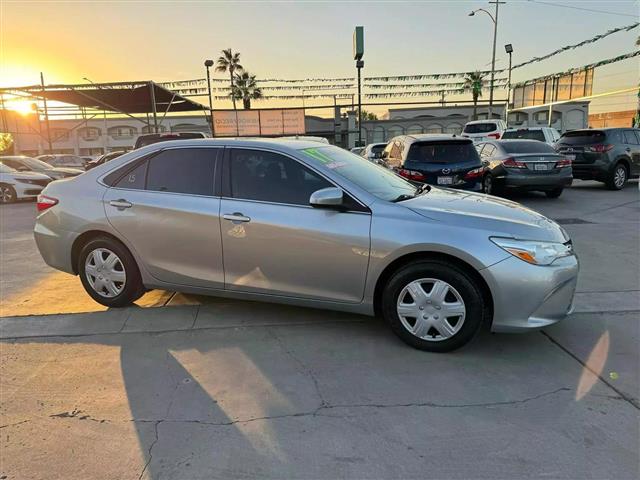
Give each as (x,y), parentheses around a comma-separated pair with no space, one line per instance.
(609,155)
(446,161)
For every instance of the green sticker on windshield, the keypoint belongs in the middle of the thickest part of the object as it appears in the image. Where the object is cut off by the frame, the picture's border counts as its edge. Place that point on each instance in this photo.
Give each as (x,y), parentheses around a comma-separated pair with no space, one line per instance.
(318,155)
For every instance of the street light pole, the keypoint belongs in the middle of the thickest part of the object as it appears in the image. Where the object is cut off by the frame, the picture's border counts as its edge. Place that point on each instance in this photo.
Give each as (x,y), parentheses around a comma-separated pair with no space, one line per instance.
(509,49)
(359,65)
(208,64)
(494,19)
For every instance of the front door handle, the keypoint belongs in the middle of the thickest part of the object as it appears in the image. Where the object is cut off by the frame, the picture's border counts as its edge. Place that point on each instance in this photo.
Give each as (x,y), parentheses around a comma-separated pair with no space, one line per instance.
(236,217)
(120,204)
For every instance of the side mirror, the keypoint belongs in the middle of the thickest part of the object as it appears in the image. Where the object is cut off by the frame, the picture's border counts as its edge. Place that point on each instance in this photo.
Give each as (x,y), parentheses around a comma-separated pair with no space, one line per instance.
(331,197)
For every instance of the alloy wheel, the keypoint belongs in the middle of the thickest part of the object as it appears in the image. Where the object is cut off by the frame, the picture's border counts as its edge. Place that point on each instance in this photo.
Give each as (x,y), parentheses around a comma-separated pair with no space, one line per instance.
(6,195)
(431,309)
(105,272)
(620,176)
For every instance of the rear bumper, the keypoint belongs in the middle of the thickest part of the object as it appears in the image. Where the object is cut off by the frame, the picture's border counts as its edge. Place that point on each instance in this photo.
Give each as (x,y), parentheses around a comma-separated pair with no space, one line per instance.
(55,247)
(591,171)
(550,181)
(528,297)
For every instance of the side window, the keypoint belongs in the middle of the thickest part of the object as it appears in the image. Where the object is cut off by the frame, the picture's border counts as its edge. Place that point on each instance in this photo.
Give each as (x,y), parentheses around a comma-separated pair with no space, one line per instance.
(183,170)
(395,151)
(271,177)
(135,178)
(387,150)
(630,138)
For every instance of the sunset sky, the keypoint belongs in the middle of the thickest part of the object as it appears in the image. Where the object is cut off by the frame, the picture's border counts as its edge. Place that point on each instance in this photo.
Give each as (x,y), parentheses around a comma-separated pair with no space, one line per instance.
(140,40)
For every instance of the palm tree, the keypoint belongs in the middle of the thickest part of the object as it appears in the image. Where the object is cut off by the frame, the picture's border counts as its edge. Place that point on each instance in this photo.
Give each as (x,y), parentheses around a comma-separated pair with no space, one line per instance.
(246,89)
(473,83)
(229,62)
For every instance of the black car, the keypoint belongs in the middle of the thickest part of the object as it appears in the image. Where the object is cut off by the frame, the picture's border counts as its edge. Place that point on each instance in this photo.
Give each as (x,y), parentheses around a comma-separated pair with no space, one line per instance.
(103,159)
(524,165)
(609,155)
(442,160)
(151,138)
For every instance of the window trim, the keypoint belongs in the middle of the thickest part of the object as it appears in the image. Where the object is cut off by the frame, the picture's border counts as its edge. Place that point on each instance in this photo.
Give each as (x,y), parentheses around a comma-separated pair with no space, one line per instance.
(125,169)
(226,181)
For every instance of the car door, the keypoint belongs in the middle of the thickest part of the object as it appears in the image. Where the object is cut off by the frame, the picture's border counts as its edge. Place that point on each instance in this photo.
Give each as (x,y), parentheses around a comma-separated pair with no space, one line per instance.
(167,207)
(632,147)
(274,242)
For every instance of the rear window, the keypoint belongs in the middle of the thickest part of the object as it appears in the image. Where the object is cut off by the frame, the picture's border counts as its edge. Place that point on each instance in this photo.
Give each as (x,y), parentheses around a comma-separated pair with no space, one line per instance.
(442,152)
(163,137)
(524,134)
(514,146)
(377,148)
(480,127)
(583,137)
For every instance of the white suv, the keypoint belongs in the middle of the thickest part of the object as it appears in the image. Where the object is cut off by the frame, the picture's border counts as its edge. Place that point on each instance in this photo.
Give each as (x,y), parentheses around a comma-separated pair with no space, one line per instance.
(480,130)
(544,134)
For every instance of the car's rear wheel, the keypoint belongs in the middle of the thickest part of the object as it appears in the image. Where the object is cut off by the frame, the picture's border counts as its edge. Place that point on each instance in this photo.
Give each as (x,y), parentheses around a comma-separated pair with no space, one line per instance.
(433,306)
(489,185)
(109,273)
(617,177)
(7,193)
(555,193)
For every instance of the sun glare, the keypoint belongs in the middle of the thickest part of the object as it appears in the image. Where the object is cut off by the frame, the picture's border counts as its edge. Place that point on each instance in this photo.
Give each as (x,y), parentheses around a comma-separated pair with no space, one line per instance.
(23,107)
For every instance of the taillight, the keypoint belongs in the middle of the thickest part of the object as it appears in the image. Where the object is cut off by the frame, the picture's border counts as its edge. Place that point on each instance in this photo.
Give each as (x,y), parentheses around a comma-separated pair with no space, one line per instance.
(494,135)
(513,163)
(599,148)
(565,162)
(474,174)
(45,202)
(411,175)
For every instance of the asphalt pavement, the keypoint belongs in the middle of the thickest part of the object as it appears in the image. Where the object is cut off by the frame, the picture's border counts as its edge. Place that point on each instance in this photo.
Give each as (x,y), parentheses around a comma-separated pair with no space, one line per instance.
(209,388)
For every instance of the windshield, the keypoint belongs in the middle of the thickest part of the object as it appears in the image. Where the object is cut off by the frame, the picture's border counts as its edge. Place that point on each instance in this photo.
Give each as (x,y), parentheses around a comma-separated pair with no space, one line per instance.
(447,152)
(480,128)
(35,164)
(6,169)
(582,137)
(526,146)
(524,134)
(376,180)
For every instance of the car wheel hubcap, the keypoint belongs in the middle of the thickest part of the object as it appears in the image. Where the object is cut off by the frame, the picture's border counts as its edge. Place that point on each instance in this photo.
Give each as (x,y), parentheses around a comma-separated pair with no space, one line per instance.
(620,176)
(6,195)
(105,272)
(431,309)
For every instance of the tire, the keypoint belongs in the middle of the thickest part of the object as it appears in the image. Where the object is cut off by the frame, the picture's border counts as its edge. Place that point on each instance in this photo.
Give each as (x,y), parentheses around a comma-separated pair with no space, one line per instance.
(448,287)
(555,193)
(7,193)
(114,283)
(618,177)
(489,185)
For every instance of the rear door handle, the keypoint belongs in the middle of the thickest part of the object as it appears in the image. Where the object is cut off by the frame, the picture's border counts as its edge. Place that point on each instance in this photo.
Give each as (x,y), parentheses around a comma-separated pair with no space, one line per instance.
(120,204)
(236,217)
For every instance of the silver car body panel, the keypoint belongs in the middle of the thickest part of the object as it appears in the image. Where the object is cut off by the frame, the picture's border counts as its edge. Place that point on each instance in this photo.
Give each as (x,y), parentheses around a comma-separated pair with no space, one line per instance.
(306,256)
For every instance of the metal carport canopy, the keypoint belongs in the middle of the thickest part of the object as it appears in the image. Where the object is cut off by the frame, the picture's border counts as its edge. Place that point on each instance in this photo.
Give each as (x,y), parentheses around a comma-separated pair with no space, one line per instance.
(124,97)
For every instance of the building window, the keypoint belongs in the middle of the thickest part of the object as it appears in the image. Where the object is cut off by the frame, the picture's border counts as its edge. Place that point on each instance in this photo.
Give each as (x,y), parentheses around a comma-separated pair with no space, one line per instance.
(59,135)
(122,132)
(378,134)
(150,129)
(394,131)
(454,129)
(415,129)
(89,133)
(435,128)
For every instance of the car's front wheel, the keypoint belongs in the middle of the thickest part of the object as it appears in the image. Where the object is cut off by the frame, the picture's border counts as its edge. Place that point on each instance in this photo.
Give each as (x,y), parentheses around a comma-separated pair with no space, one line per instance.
(109,273)
(433,306)
(7,193)
(489,185)
(555,193)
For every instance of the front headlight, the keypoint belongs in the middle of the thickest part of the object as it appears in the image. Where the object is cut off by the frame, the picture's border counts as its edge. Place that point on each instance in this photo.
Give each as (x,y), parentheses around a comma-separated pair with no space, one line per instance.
(534,252)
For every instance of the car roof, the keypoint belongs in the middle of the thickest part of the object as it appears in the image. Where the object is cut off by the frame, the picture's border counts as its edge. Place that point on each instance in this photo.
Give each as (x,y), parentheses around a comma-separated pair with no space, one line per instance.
(267,143)
(488,120)
(517,129)
(433,137)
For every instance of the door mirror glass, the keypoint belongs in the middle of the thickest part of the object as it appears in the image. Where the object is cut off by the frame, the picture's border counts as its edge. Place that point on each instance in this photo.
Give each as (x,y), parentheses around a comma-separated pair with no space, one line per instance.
(327,198)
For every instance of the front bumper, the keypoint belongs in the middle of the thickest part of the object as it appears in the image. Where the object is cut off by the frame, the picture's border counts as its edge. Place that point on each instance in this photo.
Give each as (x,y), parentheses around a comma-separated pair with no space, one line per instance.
(528,297)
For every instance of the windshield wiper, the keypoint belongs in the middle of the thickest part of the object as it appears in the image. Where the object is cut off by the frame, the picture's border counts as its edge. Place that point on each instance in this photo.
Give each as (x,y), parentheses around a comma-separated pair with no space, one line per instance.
(402,197)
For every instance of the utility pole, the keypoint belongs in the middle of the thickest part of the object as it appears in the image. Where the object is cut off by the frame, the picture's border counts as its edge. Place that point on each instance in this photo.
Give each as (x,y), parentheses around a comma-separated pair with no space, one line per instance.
(46,114)
(358,52)
(208,64)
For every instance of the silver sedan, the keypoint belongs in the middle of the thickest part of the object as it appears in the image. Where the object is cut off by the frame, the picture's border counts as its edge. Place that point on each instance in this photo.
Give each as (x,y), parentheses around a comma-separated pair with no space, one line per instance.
(301,223)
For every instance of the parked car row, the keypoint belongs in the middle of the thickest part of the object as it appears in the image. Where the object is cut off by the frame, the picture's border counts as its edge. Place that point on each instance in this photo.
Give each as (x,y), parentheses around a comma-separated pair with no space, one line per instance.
(17,185)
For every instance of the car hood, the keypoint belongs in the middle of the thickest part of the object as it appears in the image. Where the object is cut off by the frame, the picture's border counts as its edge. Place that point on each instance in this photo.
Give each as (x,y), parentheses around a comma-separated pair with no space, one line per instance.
(30,176)
(498,216)
(65,170)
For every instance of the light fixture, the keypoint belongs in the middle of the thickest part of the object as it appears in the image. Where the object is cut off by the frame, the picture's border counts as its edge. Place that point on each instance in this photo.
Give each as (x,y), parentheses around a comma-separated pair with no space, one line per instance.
(508,48)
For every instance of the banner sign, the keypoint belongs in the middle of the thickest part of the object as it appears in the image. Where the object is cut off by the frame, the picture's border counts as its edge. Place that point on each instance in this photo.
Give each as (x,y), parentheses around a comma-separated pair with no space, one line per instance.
(254,123)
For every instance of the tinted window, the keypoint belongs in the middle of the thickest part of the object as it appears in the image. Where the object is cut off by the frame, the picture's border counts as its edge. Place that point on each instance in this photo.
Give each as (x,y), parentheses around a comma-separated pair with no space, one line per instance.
(377,180)
(270,177)
(134,179)
(582,137)
(524,134)
(629,137)
(377,148)
(442,152)
(515,146)
(182,170)
(480,127)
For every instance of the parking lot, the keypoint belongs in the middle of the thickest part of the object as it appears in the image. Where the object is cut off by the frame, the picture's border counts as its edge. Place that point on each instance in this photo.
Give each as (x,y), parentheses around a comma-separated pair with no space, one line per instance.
(194,387)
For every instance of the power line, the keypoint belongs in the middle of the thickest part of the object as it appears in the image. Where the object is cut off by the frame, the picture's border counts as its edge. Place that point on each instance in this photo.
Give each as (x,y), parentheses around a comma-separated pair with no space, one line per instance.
(583,9)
